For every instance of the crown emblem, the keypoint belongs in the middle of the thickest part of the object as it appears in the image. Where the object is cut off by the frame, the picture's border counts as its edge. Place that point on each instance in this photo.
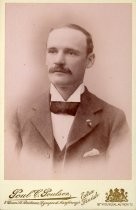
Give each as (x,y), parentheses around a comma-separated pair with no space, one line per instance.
(117,195)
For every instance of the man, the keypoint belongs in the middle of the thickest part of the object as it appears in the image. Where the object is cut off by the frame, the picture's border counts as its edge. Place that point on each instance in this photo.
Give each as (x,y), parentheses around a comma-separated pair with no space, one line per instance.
(70,133)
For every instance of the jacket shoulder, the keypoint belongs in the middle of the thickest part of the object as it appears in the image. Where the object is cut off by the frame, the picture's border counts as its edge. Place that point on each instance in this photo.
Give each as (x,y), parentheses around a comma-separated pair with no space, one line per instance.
(107,107)
(110,115)
(26,111)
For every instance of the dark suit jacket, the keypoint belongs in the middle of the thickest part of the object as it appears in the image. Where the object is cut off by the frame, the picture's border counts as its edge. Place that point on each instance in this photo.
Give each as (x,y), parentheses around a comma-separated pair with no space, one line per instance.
(95,148)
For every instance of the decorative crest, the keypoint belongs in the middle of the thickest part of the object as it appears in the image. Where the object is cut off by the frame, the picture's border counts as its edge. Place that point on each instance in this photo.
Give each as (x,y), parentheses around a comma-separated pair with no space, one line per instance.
(117,195)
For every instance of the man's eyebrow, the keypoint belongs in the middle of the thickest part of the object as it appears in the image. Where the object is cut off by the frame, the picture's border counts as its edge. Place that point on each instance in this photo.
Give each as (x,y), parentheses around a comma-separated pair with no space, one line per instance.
(51,47)
(72,50)
(67,50)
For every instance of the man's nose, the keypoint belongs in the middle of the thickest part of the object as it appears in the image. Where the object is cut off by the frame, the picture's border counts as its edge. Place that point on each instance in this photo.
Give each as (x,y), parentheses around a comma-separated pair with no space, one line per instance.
(60,58)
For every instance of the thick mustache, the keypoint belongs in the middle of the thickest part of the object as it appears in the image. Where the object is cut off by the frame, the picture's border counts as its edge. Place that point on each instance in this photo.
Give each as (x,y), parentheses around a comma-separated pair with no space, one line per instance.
(59,69)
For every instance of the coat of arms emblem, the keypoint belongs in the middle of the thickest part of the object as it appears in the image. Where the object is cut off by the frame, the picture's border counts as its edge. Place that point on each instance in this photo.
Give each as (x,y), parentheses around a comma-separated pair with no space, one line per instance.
(117,195)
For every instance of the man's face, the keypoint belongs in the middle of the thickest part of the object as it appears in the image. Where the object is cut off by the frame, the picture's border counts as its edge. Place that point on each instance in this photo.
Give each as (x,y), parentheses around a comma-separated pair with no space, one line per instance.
(66,56)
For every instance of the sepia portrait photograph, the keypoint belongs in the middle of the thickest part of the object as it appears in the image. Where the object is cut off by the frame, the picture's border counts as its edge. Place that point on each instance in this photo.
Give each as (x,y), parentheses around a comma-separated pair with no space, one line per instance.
(68,91)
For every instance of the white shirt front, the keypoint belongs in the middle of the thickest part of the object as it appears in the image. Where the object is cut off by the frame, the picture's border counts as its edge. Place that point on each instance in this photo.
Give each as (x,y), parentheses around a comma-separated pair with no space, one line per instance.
(62,123)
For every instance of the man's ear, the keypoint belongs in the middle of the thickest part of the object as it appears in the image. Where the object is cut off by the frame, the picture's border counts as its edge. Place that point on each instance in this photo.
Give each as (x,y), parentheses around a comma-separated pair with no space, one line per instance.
(90,60)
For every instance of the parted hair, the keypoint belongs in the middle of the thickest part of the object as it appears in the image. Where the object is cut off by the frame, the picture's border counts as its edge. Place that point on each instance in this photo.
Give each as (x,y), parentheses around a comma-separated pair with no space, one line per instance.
(89,40)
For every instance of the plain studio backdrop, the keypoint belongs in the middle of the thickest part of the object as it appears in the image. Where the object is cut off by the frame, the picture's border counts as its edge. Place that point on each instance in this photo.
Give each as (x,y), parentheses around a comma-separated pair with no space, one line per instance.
(27,27)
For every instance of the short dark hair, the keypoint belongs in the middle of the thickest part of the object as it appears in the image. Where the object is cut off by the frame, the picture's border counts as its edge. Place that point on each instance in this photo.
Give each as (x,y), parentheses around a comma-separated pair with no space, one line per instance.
(89,40)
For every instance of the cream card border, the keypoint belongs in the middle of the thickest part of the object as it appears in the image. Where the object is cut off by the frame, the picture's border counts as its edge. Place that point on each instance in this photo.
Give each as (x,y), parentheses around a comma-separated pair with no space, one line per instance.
(74,187)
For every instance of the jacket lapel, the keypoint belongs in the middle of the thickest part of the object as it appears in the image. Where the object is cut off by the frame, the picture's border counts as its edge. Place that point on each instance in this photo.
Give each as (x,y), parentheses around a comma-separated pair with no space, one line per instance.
(42,119)
(86,118)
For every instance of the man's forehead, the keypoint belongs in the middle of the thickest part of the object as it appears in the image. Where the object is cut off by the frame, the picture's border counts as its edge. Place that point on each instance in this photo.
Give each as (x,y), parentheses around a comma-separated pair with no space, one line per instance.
(68,35)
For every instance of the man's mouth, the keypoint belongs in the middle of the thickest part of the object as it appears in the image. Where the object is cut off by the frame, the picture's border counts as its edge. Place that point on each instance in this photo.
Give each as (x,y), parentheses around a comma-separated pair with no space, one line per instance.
(59,70)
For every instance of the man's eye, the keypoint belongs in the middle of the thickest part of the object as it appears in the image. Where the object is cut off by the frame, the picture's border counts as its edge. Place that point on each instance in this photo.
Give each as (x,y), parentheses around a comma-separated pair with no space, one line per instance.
(71,52)
(52,51)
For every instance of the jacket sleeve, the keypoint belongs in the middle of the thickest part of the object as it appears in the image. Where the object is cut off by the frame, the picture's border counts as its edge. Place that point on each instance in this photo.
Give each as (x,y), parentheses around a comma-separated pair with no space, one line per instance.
(119,150)
(12,146)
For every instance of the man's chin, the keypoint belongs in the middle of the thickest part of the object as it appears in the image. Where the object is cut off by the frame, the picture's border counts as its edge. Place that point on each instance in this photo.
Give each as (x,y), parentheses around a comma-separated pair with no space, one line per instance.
(61,82)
